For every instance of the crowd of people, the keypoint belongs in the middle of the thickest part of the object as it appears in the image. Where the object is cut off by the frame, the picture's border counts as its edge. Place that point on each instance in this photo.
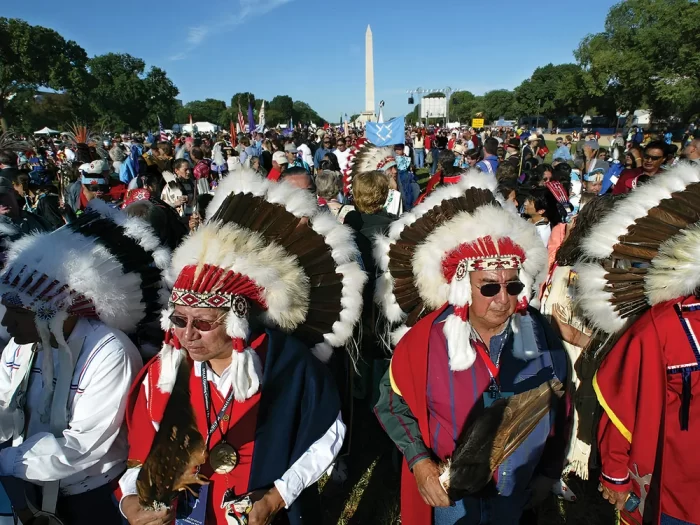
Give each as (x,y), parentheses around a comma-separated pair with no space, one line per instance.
(193,323)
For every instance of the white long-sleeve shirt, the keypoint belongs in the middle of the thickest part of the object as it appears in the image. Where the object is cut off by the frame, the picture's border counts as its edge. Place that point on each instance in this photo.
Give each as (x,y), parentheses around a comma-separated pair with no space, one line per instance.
(305,471)
(93,449)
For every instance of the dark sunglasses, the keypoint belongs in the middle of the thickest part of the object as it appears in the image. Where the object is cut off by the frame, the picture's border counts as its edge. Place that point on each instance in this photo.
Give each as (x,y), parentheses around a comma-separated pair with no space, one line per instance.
(653,157)
(492,289)
(199,324)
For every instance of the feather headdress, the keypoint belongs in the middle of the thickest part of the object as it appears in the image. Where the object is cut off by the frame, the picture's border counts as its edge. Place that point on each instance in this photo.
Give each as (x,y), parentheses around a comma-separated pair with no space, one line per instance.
(644,252)
(430,250)
(82,139)
(366,157)
(9,142)
(104,266)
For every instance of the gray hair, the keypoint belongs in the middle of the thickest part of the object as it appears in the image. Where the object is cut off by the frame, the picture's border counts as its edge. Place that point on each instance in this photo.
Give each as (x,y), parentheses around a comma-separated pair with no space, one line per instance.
(328,184)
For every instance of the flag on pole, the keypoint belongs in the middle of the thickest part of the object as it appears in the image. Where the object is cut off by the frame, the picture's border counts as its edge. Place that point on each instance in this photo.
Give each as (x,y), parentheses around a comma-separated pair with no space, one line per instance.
(241,121)
(232,131)
(163,136)
(251,120)
(386,133)
(262,117)
(190,119)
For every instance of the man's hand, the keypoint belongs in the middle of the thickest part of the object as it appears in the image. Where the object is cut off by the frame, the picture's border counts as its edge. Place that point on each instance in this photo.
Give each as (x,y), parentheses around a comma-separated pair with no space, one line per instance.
(616,498)
(266,504)
(427,476)
(137,515)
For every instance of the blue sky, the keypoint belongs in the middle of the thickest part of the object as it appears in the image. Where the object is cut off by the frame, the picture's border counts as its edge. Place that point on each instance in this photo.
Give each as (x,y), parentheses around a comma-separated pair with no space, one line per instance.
(313,50)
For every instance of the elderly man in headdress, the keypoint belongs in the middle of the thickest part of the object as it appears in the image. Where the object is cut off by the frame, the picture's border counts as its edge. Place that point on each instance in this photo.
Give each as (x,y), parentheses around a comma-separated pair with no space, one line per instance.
(476,377)
(71,297)
(645,269)
(237,417)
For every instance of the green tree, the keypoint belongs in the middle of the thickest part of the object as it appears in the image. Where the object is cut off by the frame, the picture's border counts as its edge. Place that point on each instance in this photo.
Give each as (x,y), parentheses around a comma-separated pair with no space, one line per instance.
(553,91)
(116,93)
(647,56)
(279,110)
(208,110)
(161,99)
(243,99)
(499,103)
(34,56)
(305,114)
(413,116)
(464,106)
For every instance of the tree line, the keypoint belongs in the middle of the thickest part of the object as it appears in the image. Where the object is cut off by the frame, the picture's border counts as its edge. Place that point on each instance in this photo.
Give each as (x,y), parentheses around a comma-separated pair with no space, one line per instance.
(647,57)
(112,91)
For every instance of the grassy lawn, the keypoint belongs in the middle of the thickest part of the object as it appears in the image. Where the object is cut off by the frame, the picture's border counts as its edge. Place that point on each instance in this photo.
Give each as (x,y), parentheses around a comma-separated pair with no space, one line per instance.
(370,496)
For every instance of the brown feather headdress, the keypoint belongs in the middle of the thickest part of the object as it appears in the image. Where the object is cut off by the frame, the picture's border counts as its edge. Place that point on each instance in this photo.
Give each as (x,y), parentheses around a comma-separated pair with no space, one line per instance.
(644,252)
(413,255)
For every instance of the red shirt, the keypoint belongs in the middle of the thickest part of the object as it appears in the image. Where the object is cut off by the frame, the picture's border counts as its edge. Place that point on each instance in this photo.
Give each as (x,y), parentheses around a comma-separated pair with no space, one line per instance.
(627,181)
(274,175)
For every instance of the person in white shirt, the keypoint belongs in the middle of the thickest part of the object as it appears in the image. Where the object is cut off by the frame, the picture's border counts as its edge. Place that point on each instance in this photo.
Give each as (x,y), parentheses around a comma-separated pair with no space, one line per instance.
(70,297)
(245,416)
(306,153)
(342,153)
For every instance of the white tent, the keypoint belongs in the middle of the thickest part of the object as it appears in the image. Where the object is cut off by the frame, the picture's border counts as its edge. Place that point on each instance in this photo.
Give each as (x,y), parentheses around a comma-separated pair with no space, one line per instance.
(47,131)
(201,127)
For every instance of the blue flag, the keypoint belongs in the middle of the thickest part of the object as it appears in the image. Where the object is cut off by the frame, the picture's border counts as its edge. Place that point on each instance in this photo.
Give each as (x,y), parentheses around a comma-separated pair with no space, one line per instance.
(388,133)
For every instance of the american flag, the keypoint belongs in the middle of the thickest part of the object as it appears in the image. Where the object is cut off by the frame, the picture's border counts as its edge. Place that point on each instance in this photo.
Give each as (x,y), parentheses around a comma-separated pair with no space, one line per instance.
(241,120)
(163,136)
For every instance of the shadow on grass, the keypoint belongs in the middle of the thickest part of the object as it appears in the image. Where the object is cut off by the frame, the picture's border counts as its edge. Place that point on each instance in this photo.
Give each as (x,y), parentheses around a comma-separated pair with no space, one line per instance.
(370,495)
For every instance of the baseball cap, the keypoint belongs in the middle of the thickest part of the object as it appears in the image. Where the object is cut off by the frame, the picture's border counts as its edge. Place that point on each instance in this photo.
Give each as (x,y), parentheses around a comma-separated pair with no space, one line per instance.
(290,148)
(279,157)
(593,144)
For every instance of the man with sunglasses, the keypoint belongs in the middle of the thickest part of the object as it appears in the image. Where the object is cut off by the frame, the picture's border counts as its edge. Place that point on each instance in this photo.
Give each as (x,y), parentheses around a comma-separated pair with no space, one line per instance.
(322,150)
(477,342)
(652,161)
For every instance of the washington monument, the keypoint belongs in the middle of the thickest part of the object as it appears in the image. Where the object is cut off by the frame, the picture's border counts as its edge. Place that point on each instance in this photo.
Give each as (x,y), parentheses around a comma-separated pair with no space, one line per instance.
(368,114)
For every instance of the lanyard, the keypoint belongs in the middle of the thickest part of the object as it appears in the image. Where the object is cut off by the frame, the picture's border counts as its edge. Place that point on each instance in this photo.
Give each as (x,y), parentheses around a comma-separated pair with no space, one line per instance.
(492,367)
(207,400)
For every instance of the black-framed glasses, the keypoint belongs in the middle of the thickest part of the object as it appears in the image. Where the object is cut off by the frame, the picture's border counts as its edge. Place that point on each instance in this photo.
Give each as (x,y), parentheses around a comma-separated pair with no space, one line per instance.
(492,289)
(653,157)
(199,324)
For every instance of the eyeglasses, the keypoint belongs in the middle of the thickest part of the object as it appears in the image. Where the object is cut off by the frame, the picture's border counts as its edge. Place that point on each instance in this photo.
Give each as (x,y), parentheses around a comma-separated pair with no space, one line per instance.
(492,289)
(653,157)
(198,324)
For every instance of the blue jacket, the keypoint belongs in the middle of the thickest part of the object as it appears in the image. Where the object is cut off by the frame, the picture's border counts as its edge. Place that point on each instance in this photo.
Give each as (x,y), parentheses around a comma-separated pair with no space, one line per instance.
(318,156)
(562,152)
(488,165)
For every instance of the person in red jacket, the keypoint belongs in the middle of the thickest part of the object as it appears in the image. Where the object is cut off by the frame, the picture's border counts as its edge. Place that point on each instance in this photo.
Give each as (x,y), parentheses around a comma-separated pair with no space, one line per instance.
(649,383)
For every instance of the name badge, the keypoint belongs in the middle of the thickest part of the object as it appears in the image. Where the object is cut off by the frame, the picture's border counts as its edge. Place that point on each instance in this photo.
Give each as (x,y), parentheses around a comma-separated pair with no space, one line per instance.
(491,397)
(191,510)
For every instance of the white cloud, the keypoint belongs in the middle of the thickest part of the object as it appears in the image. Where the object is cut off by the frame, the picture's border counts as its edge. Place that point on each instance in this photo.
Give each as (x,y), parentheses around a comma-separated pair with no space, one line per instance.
(196,34)
(178,56)
(245,10)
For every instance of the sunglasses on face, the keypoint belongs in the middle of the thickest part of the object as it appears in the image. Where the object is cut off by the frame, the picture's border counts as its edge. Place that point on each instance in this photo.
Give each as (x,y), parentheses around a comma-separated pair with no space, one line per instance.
(199,324)
(653,157)
(492,289)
